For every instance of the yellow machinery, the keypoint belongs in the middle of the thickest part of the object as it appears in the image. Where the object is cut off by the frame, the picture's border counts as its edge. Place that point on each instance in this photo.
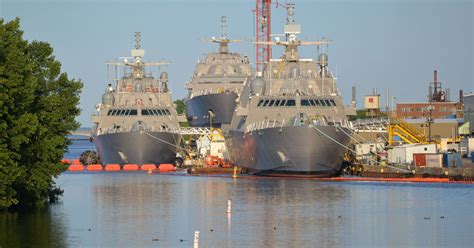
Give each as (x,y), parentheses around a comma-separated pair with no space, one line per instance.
(405,131)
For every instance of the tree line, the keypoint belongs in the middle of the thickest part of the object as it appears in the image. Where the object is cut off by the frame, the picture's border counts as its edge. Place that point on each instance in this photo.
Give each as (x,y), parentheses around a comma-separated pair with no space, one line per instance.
(38,106)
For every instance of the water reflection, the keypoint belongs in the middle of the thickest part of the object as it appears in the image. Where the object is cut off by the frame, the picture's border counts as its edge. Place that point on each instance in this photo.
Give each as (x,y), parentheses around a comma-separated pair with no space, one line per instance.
(34,228)
(132,209)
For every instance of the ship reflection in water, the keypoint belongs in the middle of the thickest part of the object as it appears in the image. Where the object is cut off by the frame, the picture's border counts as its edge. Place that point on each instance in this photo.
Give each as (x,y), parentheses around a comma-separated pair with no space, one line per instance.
(135,209)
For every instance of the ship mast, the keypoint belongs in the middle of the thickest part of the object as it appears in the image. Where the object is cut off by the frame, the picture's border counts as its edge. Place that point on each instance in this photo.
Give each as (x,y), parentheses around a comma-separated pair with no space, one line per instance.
(136,63)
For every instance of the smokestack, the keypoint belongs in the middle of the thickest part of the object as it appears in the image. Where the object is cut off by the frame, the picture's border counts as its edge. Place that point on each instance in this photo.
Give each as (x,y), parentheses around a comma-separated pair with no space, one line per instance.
(448,95)
(461,96)
(354,96)
(435,82)
(430,93)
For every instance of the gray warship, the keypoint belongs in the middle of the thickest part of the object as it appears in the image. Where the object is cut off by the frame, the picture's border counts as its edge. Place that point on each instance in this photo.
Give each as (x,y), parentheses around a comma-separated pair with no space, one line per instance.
(137,121)
(216,83)
(290,120)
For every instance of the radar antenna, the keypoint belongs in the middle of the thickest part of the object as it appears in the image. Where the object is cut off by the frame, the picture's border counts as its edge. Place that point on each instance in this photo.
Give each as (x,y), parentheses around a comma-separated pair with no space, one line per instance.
(223,28)
(138,39)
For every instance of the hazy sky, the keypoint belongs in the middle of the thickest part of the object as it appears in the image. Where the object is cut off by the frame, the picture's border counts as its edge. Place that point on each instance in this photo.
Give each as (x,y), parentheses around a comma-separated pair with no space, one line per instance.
(384,43)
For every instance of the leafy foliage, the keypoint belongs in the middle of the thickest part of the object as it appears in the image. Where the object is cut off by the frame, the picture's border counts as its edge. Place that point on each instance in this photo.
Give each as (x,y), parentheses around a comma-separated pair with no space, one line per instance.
(38,106)
(180,106)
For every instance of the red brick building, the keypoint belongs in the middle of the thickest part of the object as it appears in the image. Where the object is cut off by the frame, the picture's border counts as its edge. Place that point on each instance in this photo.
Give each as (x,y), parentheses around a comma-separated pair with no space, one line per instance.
(418,110)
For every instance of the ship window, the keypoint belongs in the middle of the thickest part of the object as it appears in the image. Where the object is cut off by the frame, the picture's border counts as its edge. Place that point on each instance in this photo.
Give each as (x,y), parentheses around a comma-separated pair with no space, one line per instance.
(127,112)
(305,103)
(327,102)
(145,112)
(290,103)
(322,102)
(266,103)
(110,112)
(282,103)
(271,103)
(114,112)
(260,103)
(277,103)
(159,112)
(120,112)
(168,112)
(133,112)
(313,102)
(333,102)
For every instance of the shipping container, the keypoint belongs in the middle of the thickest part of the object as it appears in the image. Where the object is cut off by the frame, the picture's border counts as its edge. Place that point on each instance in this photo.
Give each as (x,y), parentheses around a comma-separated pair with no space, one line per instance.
(419,159)
(452,160)
(404,153)
(434,160)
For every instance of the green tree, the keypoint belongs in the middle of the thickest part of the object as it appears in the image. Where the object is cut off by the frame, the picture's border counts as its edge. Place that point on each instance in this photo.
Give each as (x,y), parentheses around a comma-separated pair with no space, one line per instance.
(180,106)
(38,106)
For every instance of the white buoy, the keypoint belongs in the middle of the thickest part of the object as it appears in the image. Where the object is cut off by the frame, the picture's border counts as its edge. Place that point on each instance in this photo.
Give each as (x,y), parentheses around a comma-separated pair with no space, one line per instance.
(229,206)
(196,239)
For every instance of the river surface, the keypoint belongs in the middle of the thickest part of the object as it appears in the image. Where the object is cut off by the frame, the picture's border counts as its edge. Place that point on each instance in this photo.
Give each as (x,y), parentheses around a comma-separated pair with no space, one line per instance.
(119,209)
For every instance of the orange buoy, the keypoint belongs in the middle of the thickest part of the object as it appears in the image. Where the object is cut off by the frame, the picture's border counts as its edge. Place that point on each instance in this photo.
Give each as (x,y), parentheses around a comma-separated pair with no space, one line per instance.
(166,168)
(94,167)
(76,167)
(146,167)
(130,167)
(76,161)
(112,167)
(65,161)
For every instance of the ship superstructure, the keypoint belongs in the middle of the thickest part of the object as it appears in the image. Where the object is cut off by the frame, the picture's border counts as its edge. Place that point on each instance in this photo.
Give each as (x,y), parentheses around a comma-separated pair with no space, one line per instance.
(291,119)
(137,120)
(216,83)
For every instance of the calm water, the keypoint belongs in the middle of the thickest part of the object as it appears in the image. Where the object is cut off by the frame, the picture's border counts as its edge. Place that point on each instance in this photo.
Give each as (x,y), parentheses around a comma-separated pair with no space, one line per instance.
(131,209)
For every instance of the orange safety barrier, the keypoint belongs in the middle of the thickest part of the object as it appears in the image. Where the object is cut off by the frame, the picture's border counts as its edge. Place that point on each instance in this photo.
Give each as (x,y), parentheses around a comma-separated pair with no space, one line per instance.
(166,168)
(76,161)
(146,167)
(76,167)
(94,167)
(130,167)
(112,167)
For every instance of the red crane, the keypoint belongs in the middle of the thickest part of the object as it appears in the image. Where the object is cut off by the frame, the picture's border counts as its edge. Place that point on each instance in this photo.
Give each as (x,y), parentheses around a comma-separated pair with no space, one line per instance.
(262,33)
(263,50)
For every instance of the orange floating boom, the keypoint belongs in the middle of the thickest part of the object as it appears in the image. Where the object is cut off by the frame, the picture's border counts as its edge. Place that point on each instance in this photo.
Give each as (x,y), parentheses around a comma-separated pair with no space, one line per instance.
(94,167)
(130,167)
(112,167)
(146,167)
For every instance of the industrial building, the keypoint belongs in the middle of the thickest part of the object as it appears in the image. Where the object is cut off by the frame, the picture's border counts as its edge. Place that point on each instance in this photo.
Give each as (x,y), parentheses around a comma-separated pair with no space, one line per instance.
(437,106)
(469,112)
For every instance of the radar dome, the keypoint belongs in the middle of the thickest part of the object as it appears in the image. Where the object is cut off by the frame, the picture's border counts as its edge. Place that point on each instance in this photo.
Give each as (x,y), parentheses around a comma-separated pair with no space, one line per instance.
(164,77)
(294,72)
(138,87)
(108,99)
(323,59)
(257,86)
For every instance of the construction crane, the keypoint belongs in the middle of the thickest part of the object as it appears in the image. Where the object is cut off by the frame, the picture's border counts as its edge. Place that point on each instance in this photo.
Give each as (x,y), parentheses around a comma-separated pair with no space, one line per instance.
(262,33)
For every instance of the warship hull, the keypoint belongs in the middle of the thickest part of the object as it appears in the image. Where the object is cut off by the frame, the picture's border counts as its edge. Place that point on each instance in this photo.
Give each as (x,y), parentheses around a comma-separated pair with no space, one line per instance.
(221,104)
(137,147)
(292,150)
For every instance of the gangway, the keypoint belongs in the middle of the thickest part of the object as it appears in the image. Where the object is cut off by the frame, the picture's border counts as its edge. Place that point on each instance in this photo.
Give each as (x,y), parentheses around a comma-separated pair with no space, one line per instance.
(405,131)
